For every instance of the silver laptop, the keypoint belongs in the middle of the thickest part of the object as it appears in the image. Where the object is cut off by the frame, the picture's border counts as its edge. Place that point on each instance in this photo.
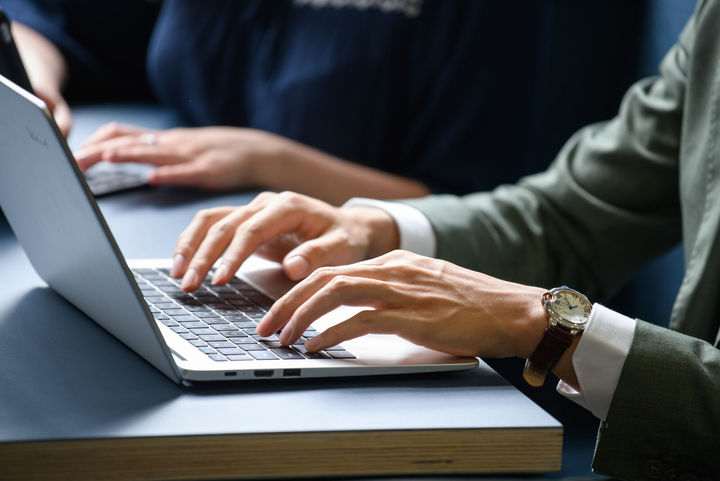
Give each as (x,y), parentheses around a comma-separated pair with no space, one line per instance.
(207,335)
(103,177)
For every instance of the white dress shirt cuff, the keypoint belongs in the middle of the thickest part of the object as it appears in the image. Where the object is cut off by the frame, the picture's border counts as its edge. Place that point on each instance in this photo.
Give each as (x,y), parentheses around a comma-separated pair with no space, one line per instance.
(599,358)
(416,233)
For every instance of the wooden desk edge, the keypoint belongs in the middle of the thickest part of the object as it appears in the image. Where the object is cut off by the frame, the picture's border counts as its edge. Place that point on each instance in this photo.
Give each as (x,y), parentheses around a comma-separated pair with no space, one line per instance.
(297,455)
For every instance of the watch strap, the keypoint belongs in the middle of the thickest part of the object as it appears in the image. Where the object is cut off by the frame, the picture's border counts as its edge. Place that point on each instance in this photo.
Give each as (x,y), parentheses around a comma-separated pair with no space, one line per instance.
(551,348)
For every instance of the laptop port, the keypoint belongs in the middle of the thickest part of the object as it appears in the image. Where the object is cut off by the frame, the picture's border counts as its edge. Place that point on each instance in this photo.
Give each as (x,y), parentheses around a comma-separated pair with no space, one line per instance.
(263,373)
(230,373)
(291,372)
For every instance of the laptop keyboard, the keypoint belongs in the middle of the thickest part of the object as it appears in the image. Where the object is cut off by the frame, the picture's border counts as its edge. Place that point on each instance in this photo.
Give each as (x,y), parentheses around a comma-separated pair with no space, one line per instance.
(221,320)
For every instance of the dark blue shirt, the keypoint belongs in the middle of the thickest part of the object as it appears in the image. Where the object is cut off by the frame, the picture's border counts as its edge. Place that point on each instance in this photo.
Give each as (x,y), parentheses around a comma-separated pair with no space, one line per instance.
(441,91)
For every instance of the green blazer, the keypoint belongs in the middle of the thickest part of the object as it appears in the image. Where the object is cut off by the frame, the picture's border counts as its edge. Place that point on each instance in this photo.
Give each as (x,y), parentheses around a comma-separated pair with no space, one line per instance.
(618,194)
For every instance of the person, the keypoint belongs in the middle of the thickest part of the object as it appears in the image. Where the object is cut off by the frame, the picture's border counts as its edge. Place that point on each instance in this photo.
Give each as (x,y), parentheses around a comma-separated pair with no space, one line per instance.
(618,194)
(378,99)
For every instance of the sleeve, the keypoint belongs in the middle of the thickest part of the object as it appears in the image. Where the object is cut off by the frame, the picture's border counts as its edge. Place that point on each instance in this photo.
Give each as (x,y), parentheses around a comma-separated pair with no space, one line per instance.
(608,203)
(665,415)
(598,360)
(583,218)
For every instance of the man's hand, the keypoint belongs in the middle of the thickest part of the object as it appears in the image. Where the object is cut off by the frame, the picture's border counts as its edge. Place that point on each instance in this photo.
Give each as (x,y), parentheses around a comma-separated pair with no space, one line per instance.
(301,232)
(428,302)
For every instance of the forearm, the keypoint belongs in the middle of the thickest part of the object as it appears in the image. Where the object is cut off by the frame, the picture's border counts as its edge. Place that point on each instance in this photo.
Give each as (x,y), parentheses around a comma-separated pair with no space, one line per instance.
(309,171)
(43,61)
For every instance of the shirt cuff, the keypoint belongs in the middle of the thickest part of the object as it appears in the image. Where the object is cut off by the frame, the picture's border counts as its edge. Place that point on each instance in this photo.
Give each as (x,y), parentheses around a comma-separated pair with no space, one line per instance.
(599,358)
(416,232)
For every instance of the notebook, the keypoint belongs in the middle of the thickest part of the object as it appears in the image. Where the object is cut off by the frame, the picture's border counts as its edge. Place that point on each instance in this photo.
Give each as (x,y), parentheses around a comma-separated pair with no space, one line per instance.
(205,335)
(104,177)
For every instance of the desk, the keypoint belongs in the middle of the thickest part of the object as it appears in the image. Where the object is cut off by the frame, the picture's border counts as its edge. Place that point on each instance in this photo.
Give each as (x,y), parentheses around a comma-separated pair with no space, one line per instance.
(77,404)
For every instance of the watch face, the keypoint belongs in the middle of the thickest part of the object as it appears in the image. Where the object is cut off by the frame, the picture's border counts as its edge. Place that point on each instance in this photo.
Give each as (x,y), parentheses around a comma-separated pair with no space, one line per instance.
(571,307)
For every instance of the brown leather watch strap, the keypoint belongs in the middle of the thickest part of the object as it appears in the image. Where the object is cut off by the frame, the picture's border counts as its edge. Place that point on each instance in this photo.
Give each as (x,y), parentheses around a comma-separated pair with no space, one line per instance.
(546,355)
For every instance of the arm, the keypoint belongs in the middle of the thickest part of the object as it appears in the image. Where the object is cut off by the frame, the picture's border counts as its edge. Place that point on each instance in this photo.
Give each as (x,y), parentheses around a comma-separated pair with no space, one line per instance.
(47,70)
(231,157)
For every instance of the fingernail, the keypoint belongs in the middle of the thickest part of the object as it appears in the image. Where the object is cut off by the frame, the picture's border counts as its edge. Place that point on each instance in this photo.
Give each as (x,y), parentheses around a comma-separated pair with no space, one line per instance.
(220,273)
(190,279)
(286,334)
(179,266)
(297,267)
(265,321)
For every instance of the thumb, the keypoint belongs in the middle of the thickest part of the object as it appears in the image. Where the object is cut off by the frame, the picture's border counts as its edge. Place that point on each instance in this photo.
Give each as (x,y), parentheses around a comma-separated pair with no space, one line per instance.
(326,250)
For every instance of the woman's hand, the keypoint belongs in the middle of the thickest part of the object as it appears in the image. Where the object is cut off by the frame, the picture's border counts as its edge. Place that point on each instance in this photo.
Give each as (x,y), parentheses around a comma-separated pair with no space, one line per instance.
(428,302)
(210,157)
(231,157)
(301,232)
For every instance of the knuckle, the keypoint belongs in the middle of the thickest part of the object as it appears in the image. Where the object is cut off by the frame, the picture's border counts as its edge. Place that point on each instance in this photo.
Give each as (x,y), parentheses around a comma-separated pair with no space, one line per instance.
(341,282)
(204,214)
(324,272)
(220,229)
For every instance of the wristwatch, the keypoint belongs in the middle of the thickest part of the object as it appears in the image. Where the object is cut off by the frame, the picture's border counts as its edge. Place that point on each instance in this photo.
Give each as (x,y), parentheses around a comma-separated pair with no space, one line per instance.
(567,312)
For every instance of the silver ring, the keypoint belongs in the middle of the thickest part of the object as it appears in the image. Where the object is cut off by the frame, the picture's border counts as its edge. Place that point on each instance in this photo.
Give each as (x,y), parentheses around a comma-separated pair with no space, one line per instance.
(149,138)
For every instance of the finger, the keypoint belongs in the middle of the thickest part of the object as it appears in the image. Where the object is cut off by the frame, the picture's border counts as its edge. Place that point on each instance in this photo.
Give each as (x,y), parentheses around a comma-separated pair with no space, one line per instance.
(190,239)
(111,131)
(362,323)
(93,153)
(139,151)
(63,117)
(326,250)
(326,289)
(214,240)
(263,225)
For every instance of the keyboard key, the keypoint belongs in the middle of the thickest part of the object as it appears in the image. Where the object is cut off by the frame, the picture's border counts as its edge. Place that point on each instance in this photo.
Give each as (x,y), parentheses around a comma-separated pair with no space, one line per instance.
(237,333)
(203,331)
(211,337)
(221,344)
(263,355)
(286,353)
(242,341)
(195,325)
(230,350)
(341,355)
(198,343)
(238,357)
(217,357)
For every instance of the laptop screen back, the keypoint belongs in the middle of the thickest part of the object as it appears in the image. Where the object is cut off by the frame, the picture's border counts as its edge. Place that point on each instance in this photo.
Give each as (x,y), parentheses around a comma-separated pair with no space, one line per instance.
(61,229)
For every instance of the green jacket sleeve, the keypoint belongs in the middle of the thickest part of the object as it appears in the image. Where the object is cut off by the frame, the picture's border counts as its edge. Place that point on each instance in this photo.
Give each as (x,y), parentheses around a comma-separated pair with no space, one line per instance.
(607,204)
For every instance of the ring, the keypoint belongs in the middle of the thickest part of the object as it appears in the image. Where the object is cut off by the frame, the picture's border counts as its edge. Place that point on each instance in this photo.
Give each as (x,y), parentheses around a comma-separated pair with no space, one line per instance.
(149,138)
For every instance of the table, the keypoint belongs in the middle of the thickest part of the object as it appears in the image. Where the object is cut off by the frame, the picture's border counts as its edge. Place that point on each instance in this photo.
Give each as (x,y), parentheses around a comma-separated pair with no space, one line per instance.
(77,404)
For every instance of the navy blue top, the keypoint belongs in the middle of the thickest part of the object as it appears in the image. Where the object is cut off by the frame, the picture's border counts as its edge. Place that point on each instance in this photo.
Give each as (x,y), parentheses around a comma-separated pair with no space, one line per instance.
(438,91)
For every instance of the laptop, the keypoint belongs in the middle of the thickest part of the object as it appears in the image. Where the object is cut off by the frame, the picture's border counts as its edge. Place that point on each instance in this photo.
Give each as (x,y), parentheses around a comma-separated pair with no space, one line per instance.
(202,336)
(103,177)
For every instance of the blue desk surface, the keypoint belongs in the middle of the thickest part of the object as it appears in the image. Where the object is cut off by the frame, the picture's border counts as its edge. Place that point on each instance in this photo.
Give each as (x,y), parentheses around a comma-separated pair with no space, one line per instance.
(64,378)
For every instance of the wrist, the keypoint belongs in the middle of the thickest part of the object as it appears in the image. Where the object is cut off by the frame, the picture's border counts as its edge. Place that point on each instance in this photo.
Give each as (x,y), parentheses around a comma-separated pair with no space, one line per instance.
(531,328)
(380,231)
(268,166)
